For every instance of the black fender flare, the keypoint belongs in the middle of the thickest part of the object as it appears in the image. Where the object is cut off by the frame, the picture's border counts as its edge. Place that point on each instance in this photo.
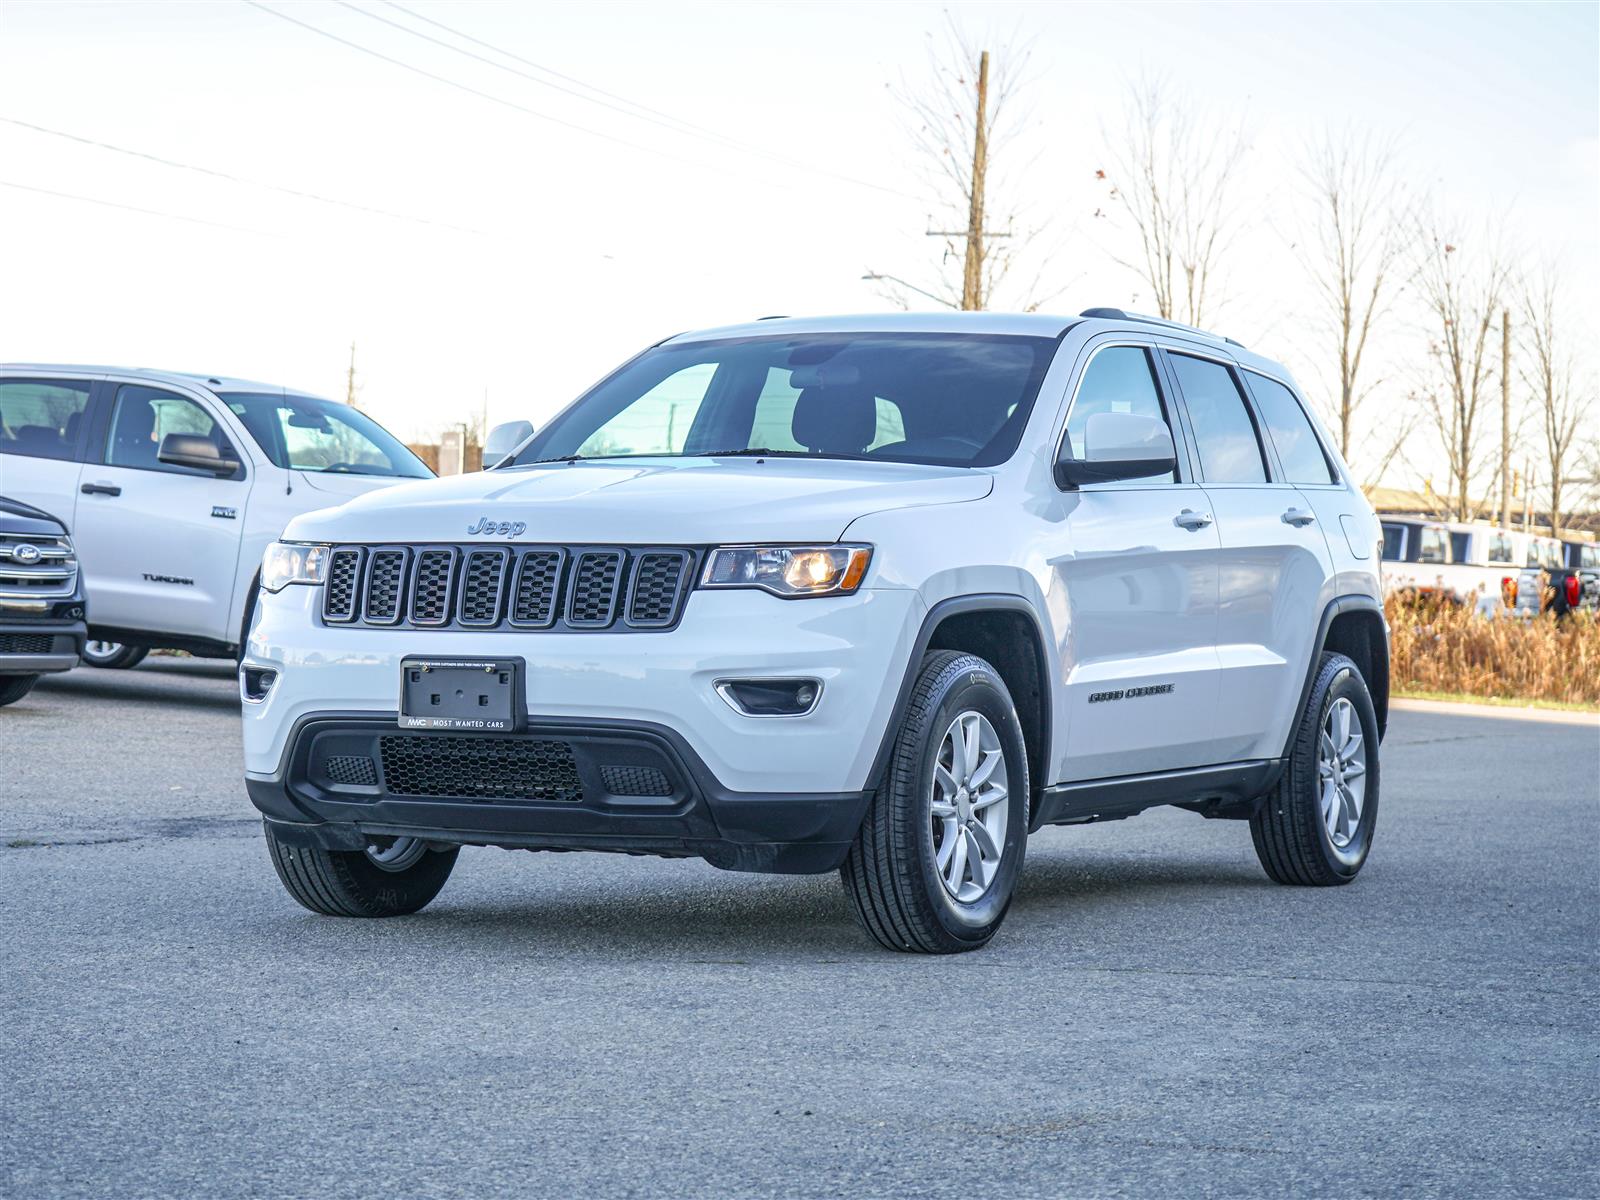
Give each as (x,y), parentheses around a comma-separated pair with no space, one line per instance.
(1339,605)
(956,606)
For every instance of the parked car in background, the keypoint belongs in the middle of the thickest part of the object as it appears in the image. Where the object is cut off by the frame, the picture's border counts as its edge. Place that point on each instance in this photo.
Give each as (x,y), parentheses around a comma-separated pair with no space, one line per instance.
(41,599)
(1559,577)
(1460,563)
(172,486)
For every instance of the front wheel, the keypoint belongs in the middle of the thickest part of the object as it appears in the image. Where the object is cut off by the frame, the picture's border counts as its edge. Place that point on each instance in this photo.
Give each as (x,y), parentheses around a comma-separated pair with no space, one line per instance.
(935,863)
(392,877)
(15,687)
(113,656)
(1315,827)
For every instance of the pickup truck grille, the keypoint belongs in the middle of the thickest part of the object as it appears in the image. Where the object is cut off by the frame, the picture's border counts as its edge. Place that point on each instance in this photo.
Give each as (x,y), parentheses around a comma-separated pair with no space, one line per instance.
(50,569)
(508,588)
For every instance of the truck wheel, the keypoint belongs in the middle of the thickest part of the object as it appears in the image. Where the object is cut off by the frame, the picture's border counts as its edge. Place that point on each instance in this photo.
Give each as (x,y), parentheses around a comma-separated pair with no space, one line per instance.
(1315,827)
(935,862)
(392,877)
(113,655)
(15,687)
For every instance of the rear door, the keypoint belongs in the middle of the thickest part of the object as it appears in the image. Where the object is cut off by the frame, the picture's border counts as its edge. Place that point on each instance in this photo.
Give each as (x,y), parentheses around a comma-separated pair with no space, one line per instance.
(42,435)
(1137,567)
(1273,564)
(159,543)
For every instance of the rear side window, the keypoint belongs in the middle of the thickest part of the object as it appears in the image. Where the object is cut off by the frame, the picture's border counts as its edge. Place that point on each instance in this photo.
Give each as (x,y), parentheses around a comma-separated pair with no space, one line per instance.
(42,418)
(1119,379)
(1501,550)
(1224,431)
(1433,546)
(1291,432)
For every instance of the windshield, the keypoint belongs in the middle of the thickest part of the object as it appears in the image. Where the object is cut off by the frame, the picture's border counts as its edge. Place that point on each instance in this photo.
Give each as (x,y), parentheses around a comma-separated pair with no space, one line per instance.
(916,398)
(305,434)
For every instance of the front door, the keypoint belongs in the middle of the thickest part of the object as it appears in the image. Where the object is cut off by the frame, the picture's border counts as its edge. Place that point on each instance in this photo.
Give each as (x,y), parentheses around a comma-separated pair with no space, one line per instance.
(1138,580)
(1272,567)
(159,543)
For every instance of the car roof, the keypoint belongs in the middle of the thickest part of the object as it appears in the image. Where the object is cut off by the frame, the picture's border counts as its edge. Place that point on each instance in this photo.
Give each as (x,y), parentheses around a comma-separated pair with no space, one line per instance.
(1092,321)
(216,383)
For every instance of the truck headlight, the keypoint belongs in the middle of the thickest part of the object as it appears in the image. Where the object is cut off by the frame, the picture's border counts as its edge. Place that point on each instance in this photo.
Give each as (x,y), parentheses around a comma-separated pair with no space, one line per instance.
(292,562)
(792,572)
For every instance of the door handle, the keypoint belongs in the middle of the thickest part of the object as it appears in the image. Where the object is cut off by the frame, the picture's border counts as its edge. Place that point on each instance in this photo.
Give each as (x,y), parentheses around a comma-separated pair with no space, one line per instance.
(1191,520)
(1298,516)
(100,489)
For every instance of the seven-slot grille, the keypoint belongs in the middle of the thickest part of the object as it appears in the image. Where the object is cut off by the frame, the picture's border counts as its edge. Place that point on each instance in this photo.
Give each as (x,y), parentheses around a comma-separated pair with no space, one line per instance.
(508,587)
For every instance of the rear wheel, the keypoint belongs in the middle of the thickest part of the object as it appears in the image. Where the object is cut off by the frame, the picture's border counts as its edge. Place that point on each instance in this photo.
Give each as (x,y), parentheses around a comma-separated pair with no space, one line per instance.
(1315,828)
(936,861)
(15,687)
(113,655)
(390,878)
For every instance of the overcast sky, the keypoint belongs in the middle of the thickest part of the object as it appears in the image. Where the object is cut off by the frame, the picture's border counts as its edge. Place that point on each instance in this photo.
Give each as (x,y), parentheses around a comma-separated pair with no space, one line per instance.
(529,242)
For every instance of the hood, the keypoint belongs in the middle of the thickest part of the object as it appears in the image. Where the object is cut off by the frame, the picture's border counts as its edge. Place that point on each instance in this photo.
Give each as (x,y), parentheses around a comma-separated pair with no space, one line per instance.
(27,521)
(659,501)
(337,483)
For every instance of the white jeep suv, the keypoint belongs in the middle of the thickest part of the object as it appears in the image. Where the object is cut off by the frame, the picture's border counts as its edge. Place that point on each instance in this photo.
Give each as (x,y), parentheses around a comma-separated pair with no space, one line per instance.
(875,594)
(172,486)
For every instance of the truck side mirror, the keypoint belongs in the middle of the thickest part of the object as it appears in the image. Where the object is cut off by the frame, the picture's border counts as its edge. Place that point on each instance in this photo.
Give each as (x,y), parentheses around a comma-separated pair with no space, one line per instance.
(196,452)
(1117,446)
(503,439)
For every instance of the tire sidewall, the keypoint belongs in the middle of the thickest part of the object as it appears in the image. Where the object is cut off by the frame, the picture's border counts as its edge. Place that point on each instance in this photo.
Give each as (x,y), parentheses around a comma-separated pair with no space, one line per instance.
(977,689)
(1346,683)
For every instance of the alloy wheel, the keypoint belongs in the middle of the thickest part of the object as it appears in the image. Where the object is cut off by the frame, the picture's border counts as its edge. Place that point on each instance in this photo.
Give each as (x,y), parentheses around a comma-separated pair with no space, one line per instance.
(968,808)
(1342,772)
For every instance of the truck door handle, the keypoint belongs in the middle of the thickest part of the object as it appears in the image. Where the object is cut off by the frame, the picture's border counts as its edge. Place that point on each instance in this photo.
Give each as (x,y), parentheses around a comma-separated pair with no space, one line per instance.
(100,489)
(1298,516)
(1190,519)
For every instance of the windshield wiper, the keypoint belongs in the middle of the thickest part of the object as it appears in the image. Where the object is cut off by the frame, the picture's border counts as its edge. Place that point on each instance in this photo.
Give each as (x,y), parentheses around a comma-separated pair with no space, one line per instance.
(766,452)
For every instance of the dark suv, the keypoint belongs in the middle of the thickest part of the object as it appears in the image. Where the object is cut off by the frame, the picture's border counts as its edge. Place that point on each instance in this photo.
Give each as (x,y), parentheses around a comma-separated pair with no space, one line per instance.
(41,599)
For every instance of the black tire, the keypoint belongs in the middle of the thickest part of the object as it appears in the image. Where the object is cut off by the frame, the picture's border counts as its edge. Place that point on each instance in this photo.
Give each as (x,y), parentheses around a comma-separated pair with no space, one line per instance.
(15,687)
(119,659)
(1292,840)
(891,874)
(347,883)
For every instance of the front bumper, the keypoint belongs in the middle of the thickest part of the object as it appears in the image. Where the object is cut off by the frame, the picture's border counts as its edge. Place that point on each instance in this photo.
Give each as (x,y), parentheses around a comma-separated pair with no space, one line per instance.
(51,646)
(590,786)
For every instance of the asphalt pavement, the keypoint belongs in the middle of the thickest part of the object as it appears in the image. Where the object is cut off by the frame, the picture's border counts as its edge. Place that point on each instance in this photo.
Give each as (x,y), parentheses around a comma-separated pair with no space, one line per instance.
(1155,1019)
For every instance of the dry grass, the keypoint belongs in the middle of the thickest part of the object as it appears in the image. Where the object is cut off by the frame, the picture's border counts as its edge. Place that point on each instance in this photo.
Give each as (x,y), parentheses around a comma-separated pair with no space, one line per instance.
(1442,648)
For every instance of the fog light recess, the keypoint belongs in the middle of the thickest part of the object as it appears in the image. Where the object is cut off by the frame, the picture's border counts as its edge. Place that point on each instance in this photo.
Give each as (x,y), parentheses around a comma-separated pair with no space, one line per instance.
(770,697)
(256,682)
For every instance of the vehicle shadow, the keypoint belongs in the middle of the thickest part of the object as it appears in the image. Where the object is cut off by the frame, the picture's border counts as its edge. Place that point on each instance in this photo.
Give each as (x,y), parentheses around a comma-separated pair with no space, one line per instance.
(748,919)
(127,686)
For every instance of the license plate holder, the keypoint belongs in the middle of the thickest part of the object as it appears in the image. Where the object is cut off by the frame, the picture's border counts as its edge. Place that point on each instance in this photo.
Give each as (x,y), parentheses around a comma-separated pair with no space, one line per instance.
(474,695)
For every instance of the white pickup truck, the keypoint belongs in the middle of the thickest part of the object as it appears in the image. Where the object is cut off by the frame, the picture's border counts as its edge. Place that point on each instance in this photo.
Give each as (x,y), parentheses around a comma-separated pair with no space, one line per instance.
(173,485)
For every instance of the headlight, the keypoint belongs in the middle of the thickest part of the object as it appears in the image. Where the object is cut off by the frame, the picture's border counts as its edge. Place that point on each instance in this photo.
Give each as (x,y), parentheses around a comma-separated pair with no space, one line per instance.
(290,562)
(789,571)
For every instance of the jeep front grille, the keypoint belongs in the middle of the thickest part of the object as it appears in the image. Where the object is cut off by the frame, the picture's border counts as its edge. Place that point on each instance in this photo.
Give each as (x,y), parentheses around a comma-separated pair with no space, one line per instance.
(508,588)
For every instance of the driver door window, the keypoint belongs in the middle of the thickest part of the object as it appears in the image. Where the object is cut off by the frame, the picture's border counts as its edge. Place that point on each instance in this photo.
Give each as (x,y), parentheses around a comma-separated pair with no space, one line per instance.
(1119,379)
(143,416)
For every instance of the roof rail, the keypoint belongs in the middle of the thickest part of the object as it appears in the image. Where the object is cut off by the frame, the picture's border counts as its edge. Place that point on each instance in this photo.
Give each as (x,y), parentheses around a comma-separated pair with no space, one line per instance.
(1117,314)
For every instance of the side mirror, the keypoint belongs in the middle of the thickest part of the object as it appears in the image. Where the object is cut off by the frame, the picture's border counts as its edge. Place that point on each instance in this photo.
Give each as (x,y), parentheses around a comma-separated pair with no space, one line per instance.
(200,453)
(503,439)
(1117,446)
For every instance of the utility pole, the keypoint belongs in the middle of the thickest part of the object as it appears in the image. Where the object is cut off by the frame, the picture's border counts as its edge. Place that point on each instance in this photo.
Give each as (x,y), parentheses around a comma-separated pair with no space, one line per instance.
(1505,418)
(972,297)
(350,380)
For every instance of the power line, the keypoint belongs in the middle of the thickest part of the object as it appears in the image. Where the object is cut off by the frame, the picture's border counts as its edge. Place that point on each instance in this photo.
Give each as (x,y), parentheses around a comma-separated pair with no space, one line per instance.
(149,212)
(644,113)
(216,174)
(470,90)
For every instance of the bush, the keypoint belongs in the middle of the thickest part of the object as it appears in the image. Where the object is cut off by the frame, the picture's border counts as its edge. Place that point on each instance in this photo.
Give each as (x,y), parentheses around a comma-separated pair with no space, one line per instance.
(1449,648)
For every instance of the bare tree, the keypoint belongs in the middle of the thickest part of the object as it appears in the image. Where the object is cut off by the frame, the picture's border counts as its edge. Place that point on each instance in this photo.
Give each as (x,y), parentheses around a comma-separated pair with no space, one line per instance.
(1547,372)
(964,122)
(1172,176)
(1354,257)
(1462,294)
